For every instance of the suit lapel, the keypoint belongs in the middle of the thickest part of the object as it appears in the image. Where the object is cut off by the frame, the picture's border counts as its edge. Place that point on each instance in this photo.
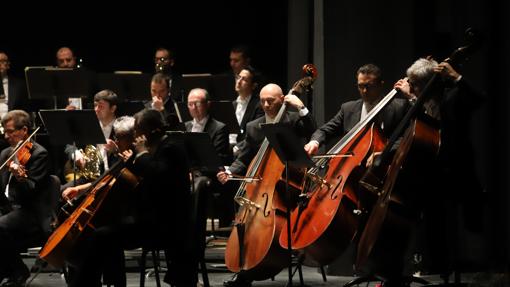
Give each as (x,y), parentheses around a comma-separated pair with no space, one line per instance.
(250,109)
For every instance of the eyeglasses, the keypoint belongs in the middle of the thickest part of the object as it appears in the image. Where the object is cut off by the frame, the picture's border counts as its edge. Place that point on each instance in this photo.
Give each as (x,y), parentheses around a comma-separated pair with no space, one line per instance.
(196,104)
(161,59)
(366,86)
(10,131)
(3,61)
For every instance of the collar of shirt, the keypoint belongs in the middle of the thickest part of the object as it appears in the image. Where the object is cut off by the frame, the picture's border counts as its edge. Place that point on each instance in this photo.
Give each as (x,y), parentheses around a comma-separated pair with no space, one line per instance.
(199,126)
(242,105)
(242,101)
(365,109)
(107,129)
(269,120)
(5,86)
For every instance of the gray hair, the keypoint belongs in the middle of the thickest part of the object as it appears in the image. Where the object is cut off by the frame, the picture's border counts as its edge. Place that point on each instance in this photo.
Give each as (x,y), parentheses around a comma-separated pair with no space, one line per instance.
(204,91)
(124,125)
(420,72)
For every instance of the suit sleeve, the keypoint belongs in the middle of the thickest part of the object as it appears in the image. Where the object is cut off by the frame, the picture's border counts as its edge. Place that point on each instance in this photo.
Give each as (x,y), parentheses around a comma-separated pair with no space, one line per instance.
(37,171)
(331,128)
(222,145)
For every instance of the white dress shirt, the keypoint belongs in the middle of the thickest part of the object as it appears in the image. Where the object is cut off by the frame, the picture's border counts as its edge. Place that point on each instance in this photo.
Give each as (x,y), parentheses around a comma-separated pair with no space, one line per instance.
(242,105)
(199,126)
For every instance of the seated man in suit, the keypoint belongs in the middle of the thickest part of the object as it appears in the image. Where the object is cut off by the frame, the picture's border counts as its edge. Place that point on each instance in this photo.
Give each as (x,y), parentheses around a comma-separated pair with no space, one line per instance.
(105,106)
(162,102)
(302,123)
(25,207)
(198,106)
(13,92)
(161,207)
(246,106)
(164,63)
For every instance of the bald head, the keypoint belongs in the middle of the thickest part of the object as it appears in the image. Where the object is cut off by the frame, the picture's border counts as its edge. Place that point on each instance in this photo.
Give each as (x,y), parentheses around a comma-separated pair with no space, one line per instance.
(65,58)
(271,99)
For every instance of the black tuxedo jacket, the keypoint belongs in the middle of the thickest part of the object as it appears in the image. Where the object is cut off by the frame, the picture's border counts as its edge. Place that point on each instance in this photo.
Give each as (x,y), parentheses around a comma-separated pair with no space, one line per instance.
(350,114)
(31,193)
(163,194)
(169,115)
(302,126)
(253,112)
(218,132)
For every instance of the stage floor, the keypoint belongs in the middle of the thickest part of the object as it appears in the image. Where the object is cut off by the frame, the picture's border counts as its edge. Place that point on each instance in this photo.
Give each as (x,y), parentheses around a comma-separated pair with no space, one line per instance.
(218,273)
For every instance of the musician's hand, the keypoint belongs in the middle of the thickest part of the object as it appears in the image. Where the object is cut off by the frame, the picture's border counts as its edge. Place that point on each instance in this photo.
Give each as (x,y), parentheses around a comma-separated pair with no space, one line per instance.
(372,157)
(18,170)
(70,107)
(141,144)
(294,101)
(70,192)
(125,155)
(446,71)
(80,162)
(111,146)
(222,177)
(157,104)
(403,86)
(311,148)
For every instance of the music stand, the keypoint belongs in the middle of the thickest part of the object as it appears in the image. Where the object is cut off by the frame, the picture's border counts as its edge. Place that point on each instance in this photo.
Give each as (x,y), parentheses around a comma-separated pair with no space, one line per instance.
(129,86)
(183,111)
(201,153)
(58,84)
(191,81)
(223,87)
(81,127)
(287,146)
(224,112)
(129,108)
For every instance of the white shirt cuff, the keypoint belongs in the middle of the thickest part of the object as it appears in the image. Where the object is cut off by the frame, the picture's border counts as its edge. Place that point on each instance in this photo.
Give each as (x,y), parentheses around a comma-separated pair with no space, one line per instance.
(303,112)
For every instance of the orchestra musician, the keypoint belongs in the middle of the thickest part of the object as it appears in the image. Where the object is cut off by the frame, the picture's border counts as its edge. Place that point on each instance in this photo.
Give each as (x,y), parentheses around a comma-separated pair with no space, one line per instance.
(25,211)
(105,107)
(160,217)
(202,121)
(198,106)
(123,128)
(452,103)
(164,63)
(162,102)
(370,88)
(13,92)
(271,100)
(65,58)
(246,106)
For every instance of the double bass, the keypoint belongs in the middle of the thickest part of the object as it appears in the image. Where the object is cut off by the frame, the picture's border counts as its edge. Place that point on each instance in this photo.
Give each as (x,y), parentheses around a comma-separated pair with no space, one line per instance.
(253,246)
(327,216)
(89,213)
(400,179)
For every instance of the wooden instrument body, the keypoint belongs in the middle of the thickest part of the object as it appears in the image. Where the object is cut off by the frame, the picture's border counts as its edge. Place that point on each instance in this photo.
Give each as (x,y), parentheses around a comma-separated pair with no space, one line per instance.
(395,213)
(259,255)
(326,224)
(90,213)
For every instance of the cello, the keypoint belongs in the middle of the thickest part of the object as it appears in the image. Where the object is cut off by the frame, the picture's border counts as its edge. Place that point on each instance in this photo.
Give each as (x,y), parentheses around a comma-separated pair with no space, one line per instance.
(89,213)
(252,246)
(400,180)
(326,218)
